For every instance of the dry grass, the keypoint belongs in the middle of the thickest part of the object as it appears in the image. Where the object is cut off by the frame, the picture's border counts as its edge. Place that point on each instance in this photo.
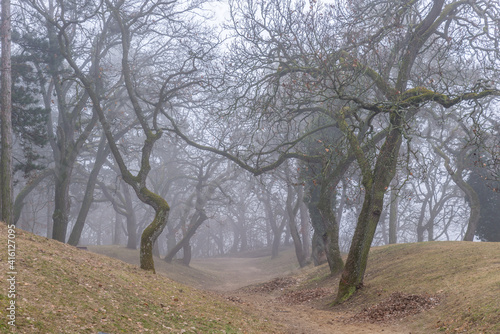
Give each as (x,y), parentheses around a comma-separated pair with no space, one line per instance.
(65,290)
(464,275)
(175,271)
(61,289)
(220,273)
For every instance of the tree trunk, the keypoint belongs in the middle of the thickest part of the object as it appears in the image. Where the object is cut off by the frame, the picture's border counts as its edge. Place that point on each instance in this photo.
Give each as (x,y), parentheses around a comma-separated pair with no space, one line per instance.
(393,217)
(384,227)
(286,241)
(304,229)
(186,259)
(88,198)
(318,253)
(49,210)
(242,229)
(131,218)
(28,188)
(153,230)
(6,118)
(430,231)
(219,241)
(275,228)
(61,202)
(118,228)
(475,205)
(375,183)
(292,211)
(475,212)
(420,224)
(171,242)
(331,228)
(196,222)
(276,243)
(236,239)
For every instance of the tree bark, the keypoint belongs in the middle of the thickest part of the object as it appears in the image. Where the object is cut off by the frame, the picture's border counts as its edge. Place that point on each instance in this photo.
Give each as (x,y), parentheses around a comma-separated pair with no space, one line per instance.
(118,228)
(292,214)
(153,230)
(393,217)
(375,183)
(6,192)
(318,253)
(186,259)
(277,230)
(330,225)
(61,202)
(130,218)
(305,228)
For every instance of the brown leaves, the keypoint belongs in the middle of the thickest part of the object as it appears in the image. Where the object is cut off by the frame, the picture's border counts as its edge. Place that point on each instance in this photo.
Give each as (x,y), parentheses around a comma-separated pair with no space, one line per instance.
(397,306)
(275,284)
(302,296)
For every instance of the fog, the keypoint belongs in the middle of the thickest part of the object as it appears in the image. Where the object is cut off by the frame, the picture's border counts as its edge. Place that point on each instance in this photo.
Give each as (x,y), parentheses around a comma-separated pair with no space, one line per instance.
(154,126)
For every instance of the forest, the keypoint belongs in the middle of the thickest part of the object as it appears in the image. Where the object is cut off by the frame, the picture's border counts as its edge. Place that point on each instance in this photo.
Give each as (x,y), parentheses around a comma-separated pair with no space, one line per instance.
(195,128)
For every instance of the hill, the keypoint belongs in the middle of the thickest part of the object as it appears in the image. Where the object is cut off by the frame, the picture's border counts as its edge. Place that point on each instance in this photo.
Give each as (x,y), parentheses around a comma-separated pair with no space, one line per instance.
(220,273)
(465,276)
(62,289)
(458,284)
(433,287)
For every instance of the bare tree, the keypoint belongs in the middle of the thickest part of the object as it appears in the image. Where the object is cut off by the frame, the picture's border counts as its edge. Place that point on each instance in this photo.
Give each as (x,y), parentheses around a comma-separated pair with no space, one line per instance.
(6,117)
(367,72)
(171,80)
(208,179)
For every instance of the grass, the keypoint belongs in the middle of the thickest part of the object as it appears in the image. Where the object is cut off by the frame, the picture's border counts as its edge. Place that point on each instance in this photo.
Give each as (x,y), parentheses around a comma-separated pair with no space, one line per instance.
(61,289)
(464,275)
(180,273)
(212,273)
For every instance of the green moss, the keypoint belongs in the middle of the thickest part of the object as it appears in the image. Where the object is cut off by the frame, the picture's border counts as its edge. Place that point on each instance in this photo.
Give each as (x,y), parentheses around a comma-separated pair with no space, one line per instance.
(345,292)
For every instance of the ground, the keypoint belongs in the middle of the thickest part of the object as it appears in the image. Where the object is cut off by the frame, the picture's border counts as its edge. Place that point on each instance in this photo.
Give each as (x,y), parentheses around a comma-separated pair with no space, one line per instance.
(432,287)
(238,282)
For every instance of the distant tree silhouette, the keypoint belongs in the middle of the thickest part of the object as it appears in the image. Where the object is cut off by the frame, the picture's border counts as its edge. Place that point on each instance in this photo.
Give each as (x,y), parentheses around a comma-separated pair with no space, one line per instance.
(488,191)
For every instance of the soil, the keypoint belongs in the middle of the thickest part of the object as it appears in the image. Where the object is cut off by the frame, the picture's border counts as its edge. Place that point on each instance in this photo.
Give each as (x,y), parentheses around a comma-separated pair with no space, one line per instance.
(298,310)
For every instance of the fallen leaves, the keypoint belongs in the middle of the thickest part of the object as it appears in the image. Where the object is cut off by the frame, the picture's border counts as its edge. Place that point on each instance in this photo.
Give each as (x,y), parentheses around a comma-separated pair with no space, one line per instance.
(302,296)
(399,305)
(275,284)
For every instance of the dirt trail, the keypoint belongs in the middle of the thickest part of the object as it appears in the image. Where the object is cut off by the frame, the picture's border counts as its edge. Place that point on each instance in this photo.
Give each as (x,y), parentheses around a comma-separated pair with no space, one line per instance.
(233,273)
(297,318)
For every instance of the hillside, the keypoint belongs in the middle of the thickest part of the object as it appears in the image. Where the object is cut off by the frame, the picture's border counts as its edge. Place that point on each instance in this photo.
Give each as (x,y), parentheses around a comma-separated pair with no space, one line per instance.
(62,289)
(464,275)
(462,278)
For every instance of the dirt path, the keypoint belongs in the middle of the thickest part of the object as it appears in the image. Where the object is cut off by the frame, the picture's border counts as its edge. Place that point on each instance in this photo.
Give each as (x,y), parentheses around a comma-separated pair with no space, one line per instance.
(233,273)
(297,318)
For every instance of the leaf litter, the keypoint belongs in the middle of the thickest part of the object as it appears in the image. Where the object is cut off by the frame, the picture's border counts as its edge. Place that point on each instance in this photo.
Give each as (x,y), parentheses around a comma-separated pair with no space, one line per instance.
(399,305)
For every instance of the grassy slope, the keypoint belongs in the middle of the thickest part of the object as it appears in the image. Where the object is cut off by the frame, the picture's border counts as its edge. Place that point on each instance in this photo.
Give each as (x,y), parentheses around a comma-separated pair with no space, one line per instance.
(465,276)
(213,273)
(65,290)
(61,289)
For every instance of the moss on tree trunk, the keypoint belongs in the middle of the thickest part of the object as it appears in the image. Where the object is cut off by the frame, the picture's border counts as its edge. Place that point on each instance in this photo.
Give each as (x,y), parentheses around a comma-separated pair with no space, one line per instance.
(151,233)
(376,183)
